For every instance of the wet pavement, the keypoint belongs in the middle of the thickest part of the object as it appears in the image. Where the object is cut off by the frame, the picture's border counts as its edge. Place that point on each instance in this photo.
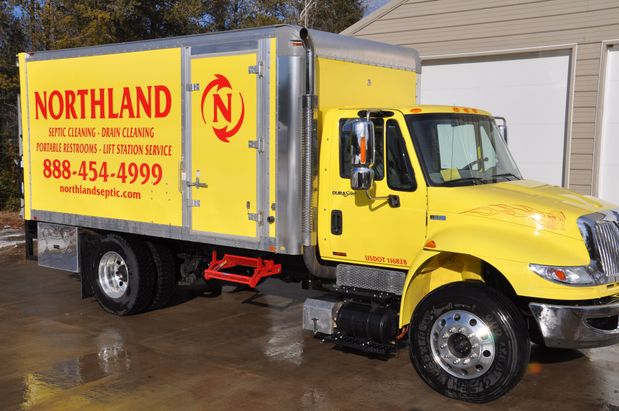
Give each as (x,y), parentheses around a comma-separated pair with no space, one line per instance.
(239,349)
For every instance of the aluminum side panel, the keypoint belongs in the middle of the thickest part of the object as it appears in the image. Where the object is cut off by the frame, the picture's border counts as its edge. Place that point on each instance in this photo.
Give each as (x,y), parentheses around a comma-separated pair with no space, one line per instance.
(25,134)
(290,74)
(271,146)
(204,43)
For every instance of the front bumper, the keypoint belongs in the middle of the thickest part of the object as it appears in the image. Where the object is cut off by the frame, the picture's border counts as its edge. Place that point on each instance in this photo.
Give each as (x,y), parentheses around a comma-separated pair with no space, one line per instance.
(565,326)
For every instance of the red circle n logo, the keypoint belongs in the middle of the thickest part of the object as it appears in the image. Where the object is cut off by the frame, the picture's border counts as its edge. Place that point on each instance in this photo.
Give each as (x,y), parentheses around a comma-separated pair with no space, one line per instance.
(222,110)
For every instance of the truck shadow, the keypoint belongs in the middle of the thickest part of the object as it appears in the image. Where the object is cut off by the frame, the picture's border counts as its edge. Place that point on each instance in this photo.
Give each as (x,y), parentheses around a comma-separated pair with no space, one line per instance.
(544,355)
(185,293)
(266,301)
(266,297)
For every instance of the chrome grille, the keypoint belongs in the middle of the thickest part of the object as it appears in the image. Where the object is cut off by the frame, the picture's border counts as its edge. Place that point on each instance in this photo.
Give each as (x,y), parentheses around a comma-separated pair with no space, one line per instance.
(606,241)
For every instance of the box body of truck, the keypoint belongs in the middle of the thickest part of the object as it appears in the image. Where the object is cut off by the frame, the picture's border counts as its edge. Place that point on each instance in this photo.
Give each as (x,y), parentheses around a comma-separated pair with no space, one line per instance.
(197,138)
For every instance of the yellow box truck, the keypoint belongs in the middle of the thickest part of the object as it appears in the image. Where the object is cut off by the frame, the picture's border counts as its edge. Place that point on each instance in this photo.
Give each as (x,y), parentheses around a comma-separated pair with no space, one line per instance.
(235,157)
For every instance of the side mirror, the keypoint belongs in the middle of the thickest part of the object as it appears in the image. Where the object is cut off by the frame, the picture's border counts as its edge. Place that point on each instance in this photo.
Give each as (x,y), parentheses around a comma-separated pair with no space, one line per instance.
(362,155)
(361,178)
(502,127)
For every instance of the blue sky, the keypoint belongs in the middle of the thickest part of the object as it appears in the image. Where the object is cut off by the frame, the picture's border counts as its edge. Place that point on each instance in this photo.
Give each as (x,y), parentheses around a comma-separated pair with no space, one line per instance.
(374,4)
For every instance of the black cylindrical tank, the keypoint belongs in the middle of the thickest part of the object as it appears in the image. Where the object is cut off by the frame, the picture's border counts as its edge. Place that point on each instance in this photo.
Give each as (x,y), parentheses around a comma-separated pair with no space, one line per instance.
(378,324)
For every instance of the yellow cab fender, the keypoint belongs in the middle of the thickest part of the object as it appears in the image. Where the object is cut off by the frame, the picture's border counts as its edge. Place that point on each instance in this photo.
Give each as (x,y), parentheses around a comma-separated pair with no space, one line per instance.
(432,269)
(458,254)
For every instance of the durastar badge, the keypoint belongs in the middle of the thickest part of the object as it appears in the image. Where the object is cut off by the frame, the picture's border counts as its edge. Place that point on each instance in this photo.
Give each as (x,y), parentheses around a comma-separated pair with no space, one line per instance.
(343,193)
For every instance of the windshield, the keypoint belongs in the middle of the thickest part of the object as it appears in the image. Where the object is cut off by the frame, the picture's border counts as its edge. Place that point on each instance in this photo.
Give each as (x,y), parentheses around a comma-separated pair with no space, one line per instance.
(461,149)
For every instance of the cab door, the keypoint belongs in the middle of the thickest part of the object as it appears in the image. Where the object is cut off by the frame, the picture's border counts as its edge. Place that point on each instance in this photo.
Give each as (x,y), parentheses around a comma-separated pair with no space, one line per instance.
(357,229)
(223,172)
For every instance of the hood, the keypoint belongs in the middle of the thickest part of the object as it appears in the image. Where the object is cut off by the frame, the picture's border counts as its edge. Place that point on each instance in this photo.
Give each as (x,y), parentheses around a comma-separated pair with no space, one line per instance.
(523,202)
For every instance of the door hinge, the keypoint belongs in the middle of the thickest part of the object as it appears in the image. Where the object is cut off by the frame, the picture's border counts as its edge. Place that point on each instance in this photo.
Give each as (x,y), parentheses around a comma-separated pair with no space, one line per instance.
(257,69)
(194,203)
(257,217)
(257,144)
(193,87)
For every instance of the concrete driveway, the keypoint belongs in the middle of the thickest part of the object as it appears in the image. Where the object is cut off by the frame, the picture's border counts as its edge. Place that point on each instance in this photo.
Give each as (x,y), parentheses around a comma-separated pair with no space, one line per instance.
(240,349)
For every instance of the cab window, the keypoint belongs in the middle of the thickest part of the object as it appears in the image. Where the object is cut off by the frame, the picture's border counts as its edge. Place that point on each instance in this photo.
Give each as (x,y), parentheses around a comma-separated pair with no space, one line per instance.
(457,145)
(399,170)
(345,143)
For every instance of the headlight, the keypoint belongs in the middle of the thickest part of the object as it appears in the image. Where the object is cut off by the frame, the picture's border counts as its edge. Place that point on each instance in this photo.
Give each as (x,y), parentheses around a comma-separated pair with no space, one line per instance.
(580,275)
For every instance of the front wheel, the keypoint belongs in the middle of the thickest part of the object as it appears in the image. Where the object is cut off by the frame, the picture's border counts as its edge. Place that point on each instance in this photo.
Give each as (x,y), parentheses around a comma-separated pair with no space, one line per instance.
(469,342)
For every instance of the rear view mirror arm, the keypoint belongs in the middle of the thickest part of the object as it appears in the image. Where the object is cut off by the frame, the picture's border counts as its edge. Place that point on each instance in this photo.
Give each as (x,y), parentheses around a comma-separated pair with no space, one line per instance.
(392,199)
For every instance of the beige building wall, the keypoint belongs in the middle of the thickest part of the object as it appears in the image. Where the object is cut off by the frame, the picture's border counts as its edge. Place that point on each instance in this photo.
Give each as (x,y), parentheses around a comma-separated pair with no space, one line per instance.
(447,29)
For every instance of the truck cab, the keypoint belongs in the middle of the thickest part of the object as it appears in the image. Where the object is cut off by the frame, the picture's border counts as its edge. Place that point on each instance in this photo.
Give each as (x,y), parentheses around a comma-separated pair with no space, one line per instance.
(433,192)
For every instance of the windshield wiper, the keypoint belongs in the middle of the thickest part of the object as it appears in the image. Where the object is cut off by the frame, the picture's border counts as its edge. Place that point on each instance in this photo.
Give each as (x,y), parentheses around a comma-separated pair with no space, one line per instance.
(463,181)
(505,175)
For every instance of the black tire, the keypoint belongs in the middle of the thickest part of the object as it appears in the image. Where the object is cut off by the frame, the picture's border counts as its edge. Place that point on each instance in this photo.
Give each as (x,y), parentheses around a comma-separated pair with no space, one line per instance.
(137,263)
(165,280)
(436,342)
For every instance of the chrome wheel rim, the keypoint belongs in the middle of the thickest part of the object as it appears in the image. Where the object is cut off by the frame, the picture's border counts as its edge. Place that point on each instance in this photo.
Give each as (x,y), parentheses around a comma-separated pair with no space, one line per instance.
(113,274)
(462,344)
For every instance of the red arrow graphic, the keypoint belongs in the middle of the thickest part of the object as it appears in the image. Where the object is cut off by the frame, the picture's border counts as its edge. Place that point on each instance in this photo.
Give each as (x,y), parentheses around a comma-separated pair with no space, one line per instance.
(221,82)
(223,133)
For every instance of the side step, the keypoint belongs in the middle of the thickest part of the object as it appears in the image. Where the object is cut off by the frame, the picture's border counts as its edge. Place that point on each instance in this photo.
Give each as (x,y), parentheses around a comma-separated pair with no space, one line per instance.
(262,269)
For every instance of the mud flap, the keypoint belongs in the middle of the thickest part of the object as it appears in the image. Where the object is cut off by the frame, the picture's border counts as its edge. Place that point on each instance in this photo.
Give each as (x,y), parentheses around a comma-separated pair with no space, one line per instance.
(30,234)
(89,243)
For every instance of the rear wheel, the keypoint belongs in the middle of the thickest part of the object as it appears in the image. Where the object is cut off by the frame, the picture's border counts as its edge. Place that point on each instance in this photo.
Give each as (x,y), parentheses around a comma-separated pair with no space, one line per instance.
(469,342)
(122,275)
(166,279)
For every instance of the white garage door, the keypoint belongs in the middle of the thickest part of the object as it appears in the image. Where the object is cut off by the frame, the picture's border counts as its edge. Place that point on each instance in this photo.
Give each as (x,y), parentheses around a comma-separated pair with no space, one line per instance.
(609,149)
(530,92)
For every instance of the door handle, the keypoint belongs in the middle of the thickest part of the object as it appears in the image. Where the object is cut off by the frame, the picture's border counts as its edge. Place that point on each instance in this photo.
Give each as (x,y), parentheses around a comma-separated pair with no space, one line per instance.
(197,183)
(337,223)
